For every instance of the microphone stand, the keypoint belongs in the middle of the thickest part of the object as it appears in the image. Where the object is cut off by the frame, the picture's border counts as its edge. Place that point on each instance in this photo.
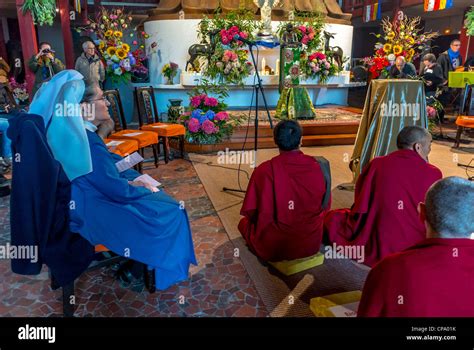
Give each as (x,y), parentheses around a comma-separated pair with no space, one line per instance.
(258,88)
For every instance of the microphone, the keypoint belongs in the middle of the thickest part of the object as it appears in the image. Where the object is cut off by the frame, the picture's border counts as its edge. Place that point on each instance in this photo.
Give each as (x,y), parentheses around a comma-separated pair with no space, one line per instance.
(246,41)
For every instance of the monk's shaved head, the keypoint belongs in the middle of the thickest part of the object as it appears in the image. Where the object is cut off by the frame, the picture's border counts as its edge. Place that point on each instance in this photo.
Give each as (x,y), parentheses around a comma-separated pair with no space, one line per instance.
(449,207)
(415,138)
(287,135)
(410,135)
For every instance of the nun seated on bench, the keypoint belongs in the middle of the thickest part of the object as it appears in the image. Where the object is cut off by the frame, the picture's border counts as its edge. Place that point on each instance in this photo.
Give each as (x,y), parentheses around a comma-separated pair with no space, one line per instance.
(108,207)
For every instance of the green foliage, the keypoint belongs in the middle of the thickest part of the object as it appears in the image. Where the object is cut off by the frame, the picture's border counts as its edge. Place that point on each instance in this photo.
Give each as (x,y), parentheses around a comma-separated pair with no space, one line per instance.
(469,24)
(42,11)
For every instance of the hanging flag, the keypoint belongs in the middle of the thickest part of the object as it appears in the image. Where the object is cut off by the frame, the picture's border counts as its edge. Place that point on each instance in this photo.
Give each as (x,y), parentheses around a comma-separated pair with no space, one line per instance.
(373,12)
(436,5)
(77,6)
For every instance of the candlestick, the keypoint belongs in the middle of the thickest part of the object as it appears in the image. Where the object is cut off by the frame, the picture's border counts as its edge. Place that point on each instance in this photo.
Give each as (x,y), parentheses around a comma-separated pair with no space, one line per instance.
(264,63)
(277,68)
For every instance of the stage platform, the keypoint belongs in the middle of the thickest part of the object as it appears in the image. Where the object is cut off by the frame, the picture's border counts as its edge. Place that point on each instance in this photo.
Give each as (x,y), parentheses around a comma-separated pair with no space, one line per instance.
(333,125)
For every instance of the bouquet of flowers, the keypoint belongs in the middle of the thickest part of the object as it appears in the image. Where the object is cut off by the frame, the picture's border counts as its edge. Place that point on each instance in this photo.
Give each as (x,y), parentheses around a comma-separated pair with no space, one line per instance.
(207,122)
(121,59)
(403,37)
(379,67)
(308,29)
(317,65)
(20,93)
(170,70)
(229,62)
(433,107)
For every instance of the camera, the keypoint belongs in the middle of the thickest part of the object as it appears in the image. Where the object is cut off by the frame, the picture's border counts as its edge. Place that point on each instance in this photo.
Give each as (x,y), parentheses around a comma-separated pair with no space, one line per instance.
(46,51)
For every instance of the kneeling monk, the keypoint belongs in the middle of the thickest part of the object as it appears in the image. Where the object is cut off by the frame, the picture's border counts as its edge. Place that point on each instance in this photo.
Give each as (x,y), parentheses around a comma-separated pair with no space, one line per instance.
(434,277)
(283,208)
(383,217)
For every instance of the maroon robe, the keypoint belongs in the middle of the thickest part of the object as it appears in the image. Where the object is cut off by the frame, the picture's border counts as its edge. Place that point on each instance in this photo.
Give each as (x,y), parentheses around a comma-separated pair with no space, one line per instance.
(435,278)
(283,214)
(384,216)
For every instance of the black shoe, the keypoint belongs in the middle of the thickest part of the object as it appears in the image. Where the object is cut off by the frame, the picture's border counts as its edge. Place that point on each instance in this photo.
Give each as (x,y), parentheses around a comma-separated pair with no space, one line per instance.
(127,280)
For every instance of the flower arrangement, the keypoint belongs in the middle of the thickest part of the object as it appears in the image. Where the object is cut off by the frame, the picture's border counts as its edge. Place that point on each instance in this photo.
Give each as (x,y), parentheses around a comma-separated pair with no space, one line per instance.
(42,11)
(317,65)
(20,92)
(308,27)
(229,64)
(469,23)
(206,121)
(170,70)
(121,59)
(433,108)
(402,37)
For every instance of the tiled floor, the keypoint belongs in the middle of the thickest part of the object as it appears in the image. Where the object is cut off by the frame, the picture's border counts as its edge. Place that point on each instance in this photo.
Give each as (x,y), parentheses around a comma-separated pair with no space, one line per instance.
(218,286)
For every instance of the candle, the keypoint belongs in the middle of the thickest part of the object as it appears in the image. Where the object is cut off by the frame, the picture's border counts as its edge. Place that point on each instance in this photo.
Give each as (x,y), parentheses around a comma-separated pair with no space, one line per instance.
(264,63)
(277,68)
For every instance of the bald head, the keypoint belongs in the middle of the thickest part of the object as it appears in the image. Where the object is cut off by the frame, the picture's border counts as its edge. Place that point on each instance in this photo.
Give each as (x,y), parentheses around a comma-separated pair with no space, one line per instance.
(415,138)
(400,61)
(449,208)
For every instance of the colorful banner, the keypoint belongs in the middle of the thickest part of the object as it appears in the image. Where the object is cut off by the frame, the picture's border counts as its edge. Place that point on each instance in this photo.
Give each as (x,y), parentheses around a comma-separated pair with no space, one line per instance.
(436,5)
(373,12)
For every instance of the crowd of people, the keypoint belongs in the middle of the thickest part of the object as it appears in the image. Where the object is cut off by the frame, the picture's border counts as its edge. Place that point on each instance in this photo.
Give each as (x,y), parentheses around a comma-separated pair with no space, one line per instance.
(434,72)
(420,248)
(399,215)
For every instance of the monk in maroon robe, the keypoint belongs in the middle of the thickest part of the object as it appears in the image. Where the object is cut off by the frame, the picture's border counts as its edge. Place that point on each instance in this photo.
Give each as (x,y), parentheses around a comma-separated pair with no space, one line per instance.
(435,277)
(283,207)
(384,217)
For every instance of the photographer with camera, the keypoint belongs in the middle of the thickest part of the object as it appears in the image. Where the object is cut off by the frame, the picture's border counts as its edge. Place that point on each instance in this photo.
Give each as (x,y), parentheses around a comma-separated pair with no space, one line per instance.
(44,65)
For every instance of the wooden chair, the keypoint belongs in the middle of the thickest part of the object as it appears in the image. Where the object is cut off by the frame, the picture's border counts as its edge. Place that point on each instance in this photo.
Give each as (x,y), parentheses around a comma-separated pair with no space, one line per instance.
(149,120)
(466,113)
(142,137)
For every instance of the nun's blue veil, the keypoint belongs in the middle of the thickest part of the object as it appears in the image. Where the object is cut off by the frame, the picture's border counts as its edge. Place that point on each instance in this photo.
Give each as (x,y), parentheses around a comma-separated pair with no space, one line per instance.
(58,102)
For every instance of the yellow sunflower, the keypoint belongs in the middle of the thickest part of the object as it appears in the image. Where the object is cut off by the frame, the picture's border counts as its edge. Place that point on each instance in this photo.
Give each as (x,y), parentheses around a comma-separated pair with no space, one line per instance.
(410,40)
(118,34)
(101,45)
(126,47)
(410,54)
(387,48)
(391,35)
(397,49)
(111,50)
(121,54)
(109,33)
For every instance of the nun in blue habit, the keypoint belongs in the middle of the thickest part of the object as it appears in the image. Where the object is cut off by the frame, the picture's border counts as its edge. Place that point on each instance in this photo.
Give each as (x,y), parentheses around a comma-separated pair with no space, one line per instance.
(132,221)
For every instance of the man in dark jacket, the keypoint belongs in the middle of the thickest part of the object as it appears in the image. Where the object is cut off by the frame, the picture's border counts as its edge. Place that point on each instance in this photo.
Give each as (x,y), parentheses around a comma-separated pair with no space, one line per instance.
(45,65)
(450,60)
(402,70)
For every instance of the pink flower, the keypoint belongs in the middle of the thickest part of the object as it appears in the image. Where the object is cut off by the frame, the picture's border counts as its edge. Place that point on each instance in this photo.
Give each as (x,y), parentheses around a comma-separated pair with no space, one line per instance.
(431,111)
(311,36)
(195,101)
(243,35)
(193,125)
(208,127)
(210,102)
(221,116)
(302,29)
(305,39)
(224,40)
(327,65)
(134,42)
